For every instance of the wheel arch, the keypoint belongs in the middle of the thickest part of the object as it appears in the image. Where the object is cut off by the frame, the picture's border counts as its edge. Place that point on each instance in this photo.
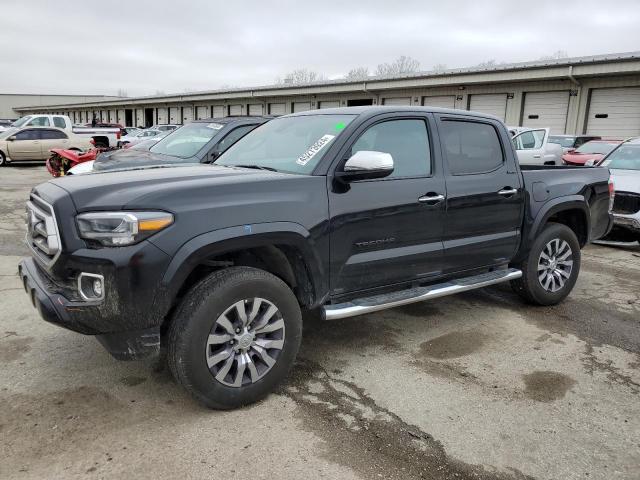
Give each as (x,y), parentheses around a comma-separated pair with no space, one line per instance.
(283,249)
(570,211)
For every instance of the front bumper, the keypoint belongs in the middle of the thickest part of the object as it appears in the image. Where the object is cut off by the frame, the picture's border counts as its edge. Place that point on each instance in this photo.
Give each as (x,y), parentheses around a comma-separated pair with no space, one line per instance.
(127,321)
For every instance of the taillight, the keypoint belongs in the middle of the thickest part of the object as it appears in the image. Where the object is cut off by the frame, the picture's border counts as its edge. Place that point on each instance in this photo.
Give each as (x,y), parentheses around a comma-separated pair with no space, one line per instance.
(118,136)
(612,194)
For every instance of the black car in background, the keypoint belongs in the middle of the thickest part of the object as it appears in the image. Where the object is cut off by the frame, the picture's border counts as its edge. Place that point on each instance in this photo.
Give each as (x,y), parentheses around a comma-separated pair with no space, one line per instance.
(201,141)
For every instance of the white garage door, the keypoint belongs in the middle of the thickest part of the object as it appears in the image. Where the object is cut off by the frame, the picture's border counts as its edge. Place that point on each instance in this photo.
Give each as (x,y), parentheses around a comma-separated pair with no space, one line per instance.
(235,109)
(397,101)
(202,112)
(301,106)
(546,109)
(139,116)
(277,109)
(187,114)
(163,115)
(174,115)
(614,112)
(329,104)
(218,111)
(121,117)
(255,109)
(489,103)
(440,101)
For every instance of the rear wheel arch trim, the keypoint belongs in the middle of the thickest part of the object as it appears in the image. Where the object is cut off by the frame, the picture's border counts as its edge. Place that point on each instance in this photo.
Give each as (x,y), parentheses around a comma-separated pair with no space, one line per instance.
(559,205)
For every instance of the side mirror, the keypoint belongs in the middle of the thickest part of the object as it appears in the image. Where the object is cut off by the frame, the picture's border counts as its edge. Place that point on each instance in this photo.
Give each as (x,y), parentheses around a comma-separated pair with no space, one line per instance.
(366,165)
(11,138)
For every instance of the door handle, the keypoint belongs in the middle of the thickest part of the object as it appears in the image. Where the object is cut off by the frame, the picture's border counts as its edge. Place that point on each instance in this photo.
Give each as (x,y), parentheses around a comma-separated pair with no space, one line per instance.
(431,199)
(508,191)
(537,156)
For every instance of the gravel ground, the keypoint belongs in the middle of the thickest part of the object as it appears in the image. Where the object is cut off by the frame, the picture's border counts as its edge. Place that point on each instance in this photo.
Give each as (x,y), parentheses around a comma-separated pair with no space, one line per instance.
(473,386)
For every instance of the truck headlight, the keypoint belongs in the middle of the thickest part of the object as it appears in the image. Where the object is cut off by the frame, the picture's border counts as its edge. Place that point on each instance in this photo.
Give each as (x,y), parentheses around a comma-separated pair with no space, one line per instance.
(114,229)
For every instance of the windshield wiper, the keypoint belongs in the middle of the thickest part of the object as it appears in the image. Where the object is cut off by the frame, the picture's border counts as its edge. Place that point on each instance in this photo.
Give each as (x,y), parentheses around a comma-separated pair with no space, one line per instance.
(257,167)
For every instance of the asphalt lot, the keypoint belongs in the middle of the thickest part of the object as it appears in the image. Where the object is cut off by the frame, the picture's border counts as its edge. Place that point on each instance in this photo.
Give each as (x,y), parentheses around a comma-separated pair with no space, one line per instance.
(473,386)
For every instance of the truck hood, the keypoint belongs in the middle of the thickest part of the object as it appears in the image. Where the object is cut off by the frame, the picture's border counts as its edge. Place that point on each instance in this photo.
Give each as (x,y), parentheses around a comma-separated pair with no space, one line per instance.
(156,187)
(626,180)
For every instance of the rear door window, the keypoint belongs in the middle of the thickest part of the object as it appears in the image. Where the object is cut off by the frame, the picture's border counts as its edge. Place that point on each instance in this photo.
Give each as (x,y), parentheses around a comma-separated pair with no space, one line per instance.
(59,122)
(52,135)
(471,147)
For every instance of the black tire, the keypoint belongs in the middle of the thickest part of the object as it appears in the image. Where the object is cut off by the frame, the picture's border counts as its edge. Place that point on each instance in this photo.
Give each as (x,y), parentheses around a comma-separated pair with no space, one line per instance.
(196,317)
(3,160)
(529,286)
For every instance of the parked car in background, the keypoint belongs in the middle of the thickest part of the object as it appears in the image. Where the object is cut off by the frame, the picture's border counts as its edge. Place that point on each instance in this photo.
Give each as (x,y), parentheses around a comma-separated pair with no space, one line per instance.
(201,141)
(571,142)
(594,150)
(86,166)
(5,124)
(164,127)
(137,137)
(34,143)
(624,164)
(534,148)
(102,137)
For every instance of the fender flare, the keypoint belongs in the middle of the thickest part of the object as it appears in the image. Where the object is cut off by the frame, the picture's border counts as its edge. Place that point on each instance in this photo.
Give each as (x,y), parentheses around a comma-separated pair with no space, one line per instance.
(218,242)
(556,205)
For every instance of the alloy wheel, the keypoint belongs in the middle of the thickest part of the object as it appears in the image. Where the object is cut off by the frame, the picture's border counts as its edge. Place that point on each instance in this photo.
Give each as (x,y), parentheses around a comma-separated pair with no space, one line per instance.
(555,264)
(245,342)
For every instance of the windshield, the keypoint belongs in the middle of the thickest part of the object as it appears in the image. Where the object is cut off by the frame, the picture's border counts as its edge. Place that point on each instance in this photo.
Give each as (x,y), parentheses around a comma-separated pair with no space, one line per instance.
(626,157)
(185,142)
(597,147)
(287,144)
(566,142)
(21,121)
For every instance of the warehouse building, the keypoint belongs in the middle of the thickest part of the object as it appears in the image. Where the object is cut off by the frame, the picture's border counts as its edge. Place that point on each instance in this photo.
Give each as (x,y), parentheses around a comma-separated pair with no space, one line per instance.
(11,104)
(594,95)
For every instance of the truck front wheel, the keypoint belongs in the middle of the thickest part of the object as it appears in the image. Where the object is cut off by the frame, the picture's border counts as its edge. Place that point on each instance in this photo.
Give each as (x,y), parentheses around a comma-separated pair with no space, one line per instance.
(551,269)
(234,337)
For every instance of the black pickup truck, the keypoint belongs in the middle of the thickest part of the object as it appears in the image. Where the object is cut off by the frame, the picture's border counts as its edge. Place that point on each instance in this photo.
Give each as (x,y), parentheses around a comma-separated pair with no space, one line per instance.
(346,211)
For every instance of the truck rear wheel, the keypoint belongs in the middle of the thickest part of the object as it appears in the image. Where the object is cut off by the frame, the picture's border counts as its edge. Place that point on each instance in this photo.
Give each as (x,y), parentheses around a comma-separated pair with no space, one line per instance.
(3,160)
(550,271)
(234,337)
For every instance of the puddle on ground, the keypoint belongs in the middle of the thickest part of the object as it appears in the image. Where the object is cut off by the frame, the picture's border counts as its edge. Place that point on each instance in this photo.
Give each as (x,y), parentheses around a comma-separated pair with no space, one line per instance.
(547,386)
(453,345)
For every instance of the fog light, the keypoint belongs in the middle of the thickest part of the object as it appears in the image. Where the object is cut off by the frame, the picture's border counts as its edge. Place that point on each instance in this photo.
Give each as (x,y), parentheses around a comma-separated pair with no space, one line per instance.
(91,286)
(97,287)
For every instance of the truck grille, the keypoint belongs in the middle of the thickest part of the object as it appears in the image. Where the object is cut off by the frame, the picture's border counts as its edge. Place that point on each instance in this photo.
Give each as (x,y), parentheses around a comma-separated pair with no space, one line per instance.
(42,230)
(626,203)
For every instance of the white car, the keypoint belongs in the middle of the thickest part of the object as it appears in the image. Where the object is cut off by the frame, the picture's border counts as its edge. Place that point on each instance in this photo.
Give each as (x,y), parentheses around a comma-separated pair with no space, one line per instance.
(624,165)
(137,137)
(534,148)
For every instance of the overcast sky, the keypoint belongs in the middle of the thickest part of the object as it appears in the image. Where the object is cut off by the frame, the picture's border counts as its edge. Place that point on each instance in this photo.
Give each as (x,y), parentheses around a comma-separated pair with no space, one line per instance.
(89,47)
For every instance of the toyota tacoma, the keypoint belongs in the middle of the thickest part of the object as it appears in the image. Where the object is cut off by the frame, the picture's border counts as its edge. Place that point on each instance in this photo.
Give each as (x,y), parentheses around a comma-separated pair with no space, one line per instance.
(343,211)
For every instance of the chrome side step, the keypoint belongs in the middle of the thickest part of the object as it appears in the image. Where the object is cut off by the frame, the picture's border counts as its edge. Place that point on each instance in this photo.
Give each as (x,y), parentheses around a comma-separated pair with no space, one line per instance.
(376,303)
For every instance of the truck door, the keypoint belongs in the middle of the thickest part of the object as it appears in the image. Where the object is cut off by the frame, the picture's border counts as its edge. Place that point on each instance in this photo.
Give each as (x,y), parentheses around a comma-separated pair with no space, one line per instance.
(484,193)
(26,145)
(389,230)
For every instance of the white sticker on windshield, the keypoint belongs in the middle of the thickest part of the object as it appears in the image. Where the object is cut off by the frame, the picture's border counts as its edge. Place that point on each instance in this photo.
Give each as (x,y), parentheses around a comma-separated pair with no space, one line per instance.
(313,149)
(215,126)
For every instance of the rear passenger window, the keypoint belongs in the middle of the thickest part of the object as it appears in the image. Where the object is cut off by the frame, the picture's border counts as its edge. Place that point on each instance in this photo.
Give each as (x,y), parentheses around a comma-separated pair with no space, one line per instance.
(59,122)
(52,135)
(406,140)
(471,147)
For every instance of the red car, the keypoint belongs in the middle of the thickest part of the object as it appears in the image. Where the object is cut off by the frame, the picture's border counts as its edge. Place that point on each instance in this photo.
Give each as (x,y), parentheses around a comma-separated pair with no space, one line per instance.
(593,150)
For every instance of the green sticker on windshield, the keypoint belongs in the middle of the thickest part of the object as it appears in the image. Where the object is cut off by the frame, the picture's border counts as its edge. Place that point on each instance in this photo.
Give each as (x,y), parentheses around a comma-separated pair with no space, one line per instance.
(340,125)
